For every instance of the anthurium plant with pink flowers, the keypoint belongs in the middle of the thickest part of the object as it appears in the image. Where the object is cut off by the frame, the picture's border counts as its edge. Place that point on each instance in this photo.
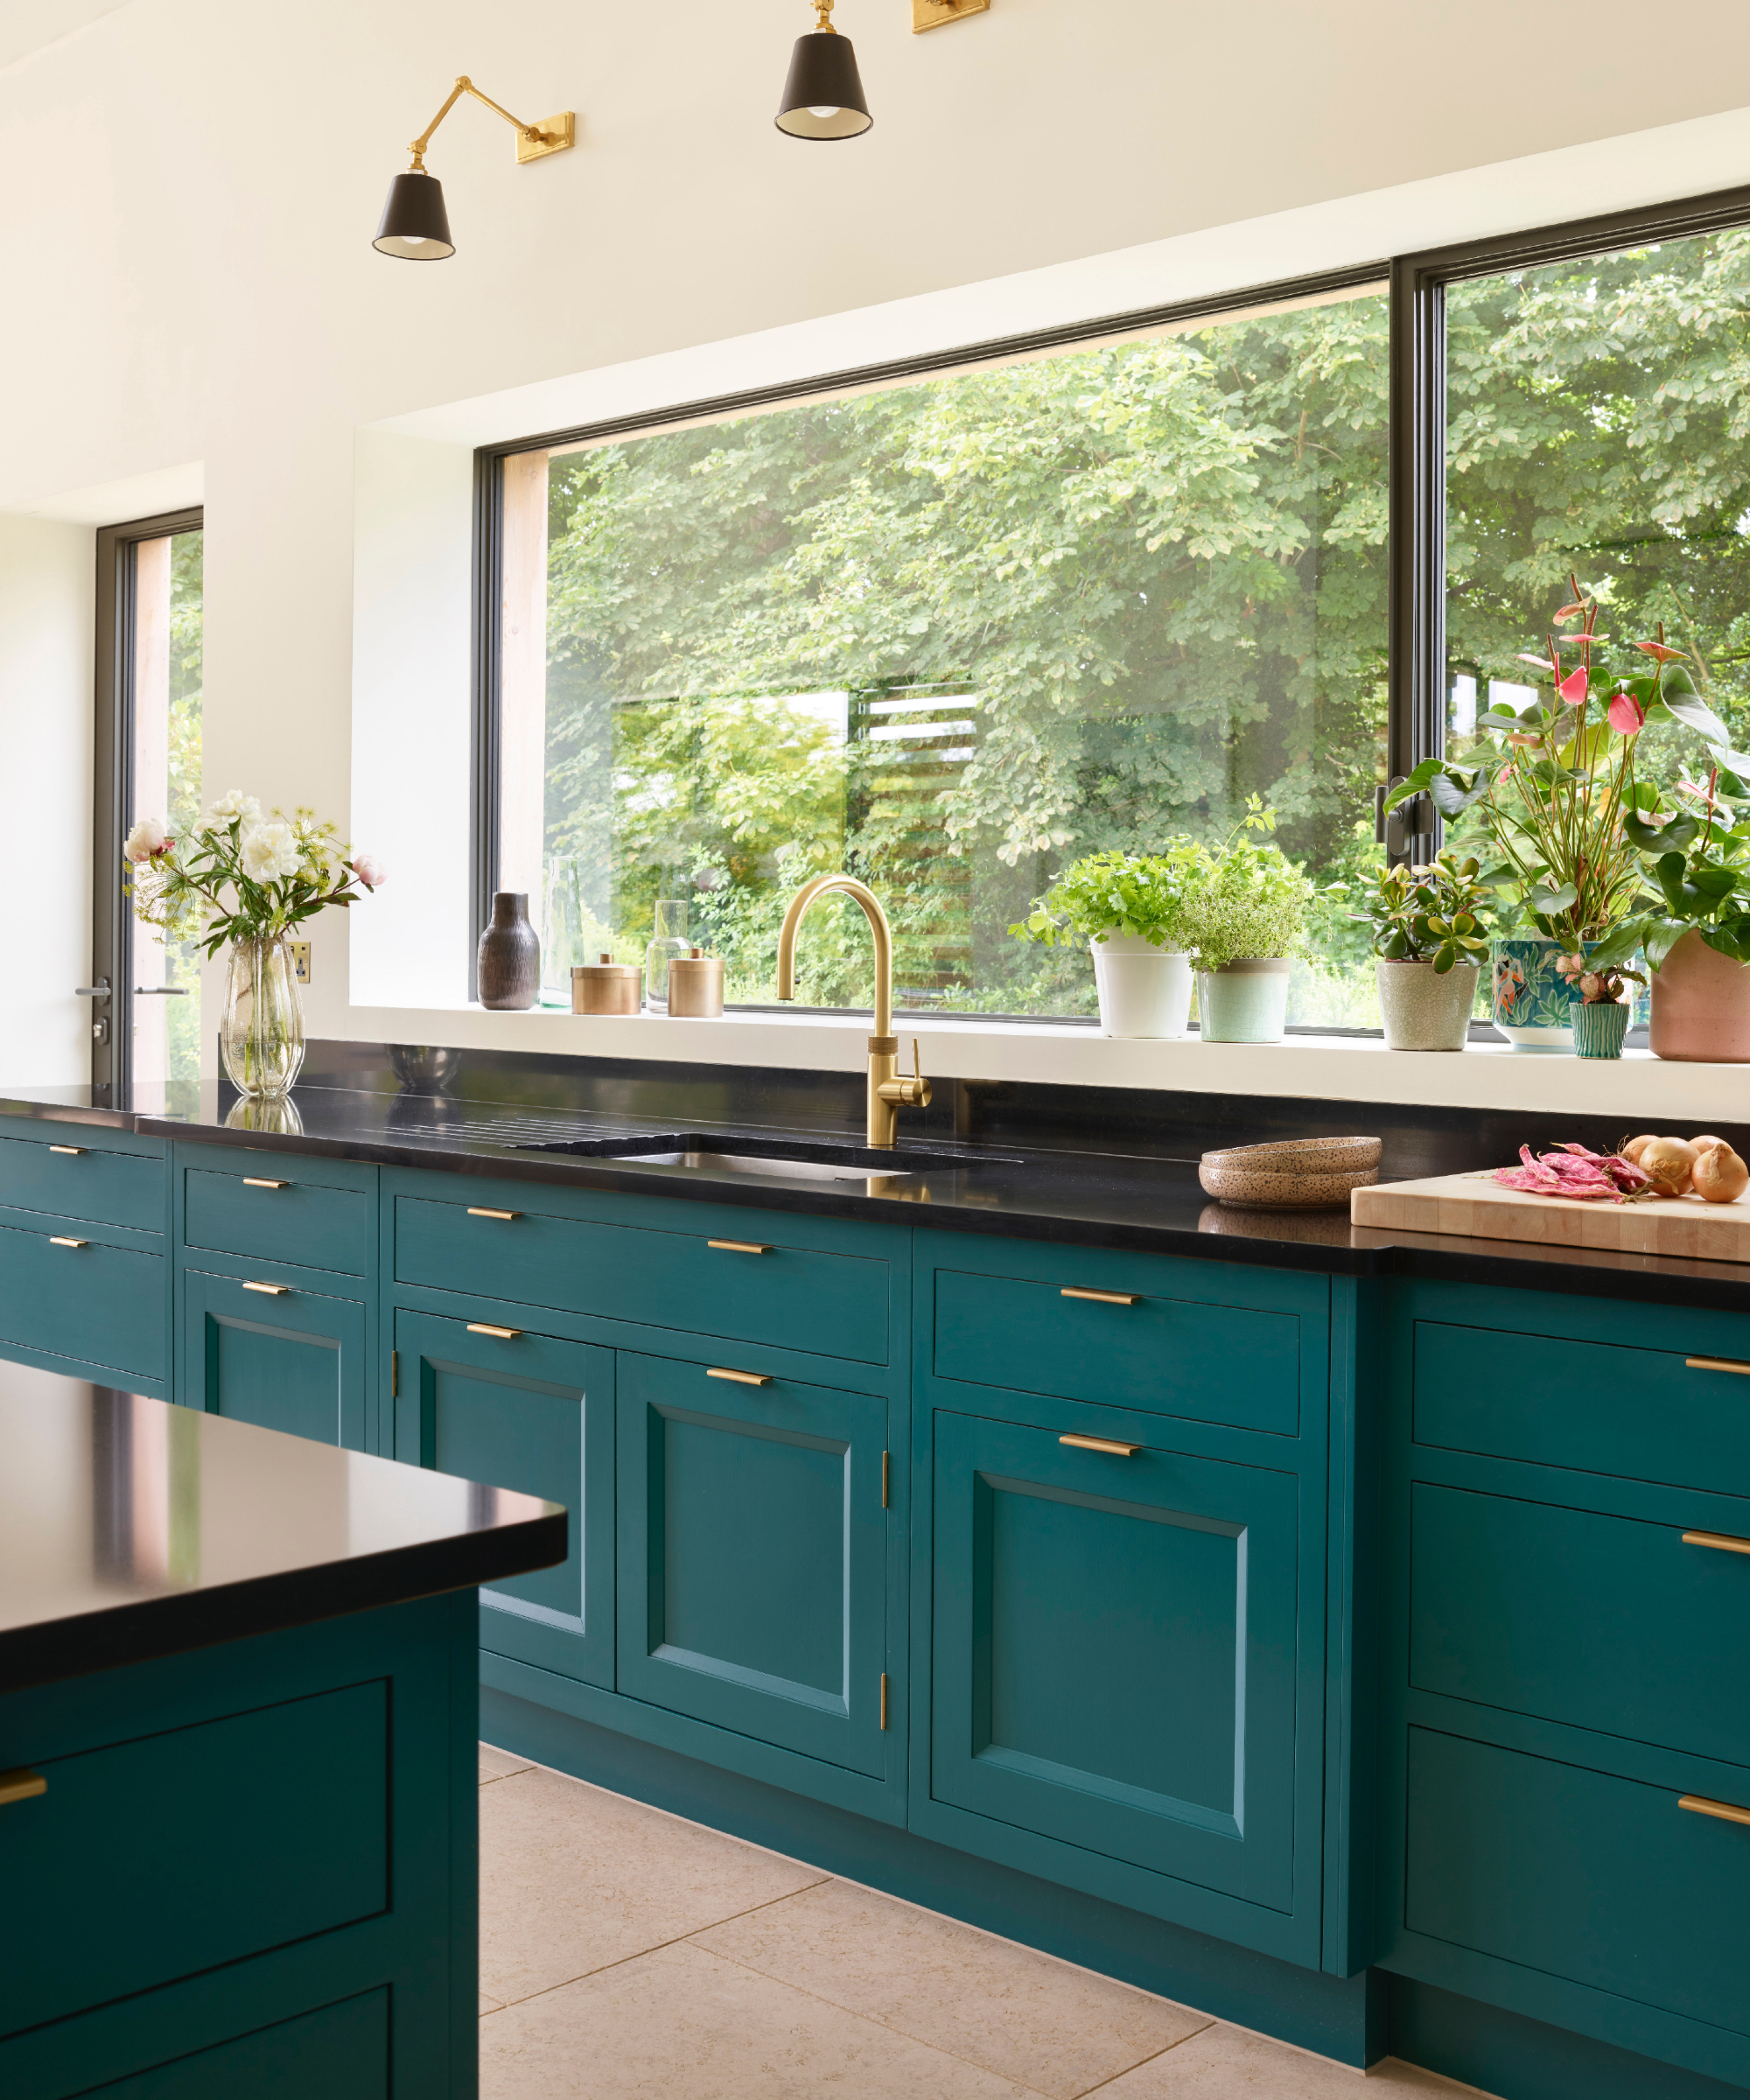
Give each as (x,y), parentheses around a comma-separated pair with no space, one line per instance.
(1554,785)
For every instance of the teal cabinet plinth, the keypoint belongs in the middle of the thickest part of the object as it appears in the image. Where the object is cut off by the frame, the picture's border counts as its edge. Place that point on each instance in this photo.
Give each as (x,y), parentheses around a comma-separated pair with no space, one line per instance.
(295,1361)
(532,1413)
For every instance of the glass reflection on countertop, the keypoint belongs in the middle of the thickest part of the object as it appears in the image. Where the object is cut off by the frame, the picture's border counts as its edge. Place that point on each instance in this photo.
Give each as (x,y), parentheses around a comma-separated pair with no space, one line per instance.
(145,1492)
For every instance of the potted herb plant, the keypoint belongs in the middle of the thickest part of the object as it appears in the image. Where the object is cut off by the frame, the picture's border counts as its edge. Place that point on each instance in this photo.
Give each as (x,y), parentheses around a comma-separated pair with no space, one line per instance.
(1130,909)
(1428,945)
(1246,917)
(1601,1017)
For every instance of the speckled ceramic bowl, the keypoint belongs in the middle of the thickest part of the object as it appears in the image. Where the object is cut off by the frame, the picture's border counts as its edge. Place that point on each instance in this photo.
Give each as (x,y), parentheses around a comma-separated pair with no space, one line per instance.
(1306,1173)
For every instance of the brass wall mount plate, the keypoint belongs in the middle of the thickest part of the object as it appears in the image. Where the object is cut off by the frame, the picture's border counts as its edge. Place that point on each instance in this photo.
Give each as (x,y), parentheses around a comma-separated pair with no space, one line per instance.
(931,14)
(558,132)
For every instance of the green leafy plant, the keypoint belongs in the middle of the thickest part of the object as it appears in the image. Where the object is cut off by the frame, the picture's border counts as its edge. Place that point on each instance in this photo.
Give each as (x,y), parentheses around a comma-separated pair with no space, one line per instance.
(1134,894)
(1694,848)
(1427,915)
(1247,900)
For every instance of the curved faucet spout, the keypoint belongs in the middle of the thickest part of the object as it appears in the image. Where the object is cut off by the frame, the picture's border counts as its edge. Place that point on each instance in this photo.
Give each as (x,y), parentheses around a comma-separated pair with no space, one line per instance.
(878,924)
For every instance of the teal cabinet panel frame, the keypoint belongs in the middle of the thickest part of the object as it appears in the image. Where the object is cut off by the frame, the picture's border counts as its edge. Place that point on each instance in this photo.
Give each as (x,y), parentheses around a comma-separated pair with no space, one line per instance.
(527,1412)
(385,1890)
(84,1293)
(752,1552)
(299,1362)
(278,1206)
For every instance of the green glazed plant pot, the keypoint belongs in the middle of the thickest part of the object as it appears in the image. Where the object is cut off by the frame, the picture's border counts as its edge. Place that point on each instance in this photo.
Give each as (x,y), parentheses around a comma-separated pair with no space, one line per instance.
(1423,1010)
(1246,1001)
(1598,1029)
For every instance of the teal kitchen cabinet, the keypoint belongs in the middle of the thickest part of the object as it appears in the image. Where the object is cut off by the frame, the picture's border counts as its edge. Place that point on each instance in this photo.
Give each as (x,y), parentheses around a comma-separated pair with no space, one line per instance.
(530,1412)
(278,1207)
(752,1552)
(278,1355)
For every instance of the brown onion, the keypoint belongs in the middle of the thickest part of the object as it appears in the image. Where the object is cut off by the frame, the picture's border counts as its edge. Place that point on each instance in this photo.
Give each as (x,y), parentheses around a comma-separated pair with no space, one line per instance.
(1669,1163)
(1720,1175)
(1707,1144)
(1633,1150)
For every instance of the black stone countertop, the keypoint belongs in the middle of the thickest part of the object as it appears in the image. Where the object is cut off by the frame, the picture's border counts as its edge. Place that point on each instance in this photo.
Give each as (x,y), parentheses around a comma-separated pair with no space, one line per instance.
(1065,1190)
(131,1529)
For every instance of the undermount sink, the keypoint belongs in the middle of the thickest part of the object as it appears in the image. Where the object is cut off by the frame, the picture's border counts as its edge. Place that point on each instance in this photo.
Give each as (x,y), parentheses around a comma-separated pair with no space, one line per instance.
(776,1159)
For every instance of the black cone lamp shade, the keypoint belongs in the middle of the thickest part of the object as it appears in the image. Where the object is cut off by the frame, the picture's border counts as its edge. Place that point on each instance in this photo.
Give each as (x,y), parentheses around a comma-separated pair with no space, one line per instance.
(415,225)
(823,95)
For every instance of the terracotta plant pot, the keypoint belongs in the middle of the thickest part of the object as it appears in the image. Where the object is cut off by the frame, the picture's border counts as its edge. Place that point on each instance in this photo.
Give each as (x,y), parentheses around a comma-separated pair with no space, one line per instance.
(1701,1006)
(1423,1010)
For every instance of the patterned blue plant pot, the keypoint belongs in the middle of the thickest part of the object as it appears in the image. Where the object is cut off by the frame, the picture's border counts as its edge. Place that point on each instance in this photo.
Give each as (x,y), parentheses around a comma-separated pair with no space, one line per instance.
(1598,1030)
(1535,1004)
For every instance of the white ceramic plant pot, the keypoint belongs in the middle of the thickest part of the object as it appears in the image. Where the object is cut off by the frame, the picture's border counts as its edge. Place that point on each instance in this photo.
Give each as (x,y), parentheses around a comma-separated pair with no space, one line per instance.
(1144,991)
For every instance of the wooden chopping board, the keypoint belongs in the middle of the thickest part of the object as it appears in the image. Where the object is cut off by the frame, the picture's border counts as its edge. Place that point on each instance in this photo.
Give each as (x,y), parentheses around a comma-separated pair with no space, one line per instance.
(1479,1208)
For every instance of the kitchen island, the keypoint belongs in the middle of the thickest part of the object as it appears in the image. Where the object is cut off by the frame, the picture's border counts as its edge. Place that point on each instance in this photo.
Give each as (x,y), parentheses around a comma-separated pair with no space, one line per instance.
(237,1755)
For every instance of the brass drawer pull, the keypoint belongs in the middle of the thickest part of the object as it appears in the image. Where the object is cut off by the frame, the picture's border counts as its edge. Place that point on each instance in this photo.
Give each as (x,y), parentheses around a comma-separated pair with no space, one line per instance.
(1103,1298)
(56,1240)
(1726,1811)
(740,1377)
(475,1212)
(1118,1451)
(739,1246)
(21,1786)
(254,1181)
(1715,1363)
(70,1152)
(1722,1541)
(270,1289)
(482,1327)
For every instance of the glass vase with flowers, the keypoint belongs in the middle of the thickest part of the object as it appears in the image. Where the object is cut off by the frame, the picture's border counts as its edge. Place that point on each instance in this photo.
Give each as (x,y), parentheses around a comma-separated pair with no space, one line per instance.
(246,881)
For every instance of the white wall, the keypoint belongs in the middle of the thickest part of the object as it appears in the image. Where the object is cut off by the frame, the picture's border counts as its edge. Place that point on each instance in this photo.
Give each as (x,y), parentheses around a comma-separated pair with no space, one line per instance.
(187,190)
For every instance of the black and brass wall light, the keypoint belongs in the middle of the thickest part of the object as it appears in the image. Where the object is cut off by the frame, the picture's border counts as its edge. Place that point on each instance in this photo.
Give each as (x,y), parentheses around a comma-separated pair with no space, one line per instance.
(823,95)
(416,227)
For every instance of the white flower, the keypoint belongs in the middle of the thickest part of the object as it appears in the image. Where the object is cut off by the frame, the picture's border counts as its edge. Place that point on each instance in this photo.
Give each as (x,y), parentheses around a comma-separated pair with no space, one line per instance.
(147,838)
(370,871)
(232,805)
(269,851)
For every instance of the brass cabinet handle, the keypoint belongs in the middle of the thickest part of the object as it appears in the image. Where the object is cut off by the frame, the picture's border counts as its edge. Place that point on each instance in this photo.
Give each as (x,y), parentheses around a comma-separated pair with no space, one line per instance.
(58,1240)
(1722,1541)
(1118,1451)
(1726,1811)
(71,1151)
(270,1289)
(740,1377)
(483,1326)
(21,1786)
(475,1211)
(254,1181)
(1104,1297)
(1715,1363)
(739,1246)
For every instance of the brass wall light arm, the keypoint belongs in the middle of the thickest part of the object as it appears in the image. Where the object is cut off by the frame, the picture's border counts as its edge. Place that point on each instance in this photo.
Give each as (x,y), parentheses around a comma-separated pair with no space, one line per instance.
(552,135)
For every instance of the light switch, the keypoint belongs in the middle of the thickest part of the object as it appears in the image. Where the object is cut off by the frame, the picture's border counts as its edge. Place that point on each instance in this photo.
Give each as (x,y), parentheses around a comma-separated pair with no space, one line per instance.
(300,961)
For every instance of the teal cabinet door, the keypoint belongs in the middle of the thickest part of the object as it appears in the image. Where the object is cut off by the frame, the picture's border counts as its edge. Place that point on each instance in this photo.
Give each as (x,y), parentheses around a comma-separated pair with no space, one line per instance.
(275,1355)
(1113,1651)
(341,2052)
(529,1412)
(77,1291)
(751,1557)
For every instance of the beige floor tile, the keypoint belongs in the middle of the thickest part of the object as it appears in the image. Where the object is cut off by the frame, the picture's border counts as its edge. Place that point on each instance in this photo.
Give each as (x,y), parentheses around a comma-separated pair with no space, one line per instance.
(572,1878)
(1050,2027)
(487,2004)
(499,1764)
(1223,2063)
(682,2025)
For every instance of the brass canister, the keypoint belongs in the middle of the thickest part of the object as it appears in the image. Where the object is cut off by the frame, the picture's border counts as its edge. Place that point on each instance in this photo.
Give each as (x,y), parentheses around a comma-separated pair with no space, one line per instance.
(606,987)
(696,986)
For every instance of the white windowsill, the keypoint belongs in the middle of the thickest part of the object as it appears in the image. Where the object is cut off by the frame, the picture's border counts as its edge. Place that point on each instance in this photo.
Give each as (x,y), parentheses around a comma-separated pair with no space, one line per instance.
(1645,1091)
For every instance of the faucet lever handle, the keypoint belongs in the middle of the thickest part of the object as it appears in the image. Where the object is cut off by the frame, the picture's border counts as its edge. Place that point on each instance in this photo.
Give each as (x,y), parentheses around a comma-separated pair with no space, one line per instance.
(917,1065)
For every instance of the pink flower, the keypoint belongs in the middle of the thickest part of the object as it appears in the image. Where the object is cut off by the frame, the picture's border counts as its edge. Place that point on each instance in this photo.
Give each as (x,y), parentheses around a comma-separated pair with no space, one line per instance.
(1573,689)
(369,871)
(1627,717)
(1569,967)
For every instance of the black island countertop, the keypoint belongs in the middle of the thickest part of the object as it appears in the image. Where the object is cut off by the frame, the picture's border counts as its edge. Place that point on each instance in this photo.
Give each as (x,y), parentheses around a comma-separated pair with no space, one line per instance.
(1088,1166)
(131,1529)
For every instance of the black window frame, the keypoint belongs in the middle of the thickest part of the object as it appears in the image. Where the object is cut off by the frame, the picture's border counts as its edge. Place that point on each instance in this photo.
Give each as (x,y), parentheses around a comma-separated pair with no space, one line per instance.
(113,926)
(1415,285)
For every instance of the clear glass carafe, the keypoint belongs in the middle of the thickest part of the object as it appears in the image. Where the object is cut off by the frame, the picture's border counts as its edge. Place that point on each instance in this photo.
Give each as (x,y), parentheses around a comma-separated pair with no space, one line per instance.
(671,940)
(261,1038)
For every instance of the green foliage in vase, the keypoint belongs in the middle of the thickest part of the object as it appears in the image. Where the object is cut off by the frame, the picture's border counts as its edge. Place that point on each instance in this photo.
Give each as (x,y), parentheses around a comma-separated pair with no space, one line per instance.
(1139,894)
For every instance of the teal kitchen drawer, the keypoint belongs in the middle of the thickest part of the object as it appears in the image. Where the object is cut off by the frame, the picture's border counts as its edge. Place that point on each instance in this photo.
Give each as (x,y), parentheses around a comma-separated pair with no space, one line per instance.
(1125,1346)
(278,1206)
(1578,1875)
(275,1355)
(1572,1615)
(761,1285)
(524,1412)
(1115,1653)
(63,1173)
(753,1557)
(1680,1417)
(155,1859)
(67,1293)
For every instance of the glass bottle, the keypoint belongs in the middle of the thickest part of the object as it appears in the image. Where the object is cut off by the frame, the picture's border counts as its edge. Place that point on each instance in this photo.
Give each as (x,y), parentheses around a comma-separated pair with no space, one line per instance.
(671,940)
(261,1038)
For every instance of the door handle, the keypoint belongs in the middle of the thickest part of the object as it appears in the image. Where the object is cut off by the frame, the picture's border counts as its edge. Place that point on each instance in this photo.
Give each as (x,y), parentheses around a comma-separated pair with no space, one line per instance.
(21,1785)
(1722,1541)
(1106,1444)
(481,1327)
(1715,1363)
(161,991)
(254,1181)
(1726,1811)
(56,1240)
(1103,1298)
(71,1152)
(739,1246)
(475,1211)
(99,990)
(740,1377)
(270,1289)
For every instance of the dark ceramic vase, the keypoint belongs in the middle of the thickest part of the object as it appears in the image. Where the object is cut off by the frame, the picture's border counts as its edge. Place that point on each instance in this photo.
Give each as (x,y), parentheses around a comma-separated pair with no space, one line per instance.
(510,954)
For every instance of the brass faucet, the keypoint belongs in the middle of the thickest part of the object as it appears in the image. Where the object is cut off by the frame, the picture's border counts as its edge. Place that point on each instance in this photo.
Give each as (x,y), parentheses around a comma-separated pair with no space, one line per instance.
(888,1093)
